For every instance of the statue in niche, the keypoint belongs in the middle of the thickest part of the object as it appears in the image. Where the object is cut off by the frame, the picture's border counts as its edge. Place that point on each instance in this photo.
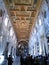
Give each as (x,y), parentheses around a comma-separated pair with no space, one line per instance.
(0,12)
(44,14)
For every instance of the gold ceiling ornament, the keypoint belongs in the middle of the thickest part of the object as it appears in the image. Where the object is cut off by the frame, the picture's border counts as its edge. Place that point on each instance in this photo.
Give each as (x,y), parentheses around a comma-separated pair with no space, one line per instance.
(23,14)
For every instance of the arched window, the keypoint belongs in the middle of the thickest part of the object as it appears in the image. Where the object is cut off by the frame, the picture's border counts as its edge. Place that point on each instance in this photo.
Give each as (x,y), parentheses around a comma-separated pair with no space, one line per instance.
(10,1)
(35,1)
(44,14)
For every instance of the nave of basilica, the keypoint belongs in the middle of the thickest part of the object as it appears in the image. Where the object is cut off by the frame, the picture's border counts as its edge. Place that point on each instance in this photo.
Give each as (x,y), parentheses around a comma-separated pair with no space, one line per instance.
(24,32)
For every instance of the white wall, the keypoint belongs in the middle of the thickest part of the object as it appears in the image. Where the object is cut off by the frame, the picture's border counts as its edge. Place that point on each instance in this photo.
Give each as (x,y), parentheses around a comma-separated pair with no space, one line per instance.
(6,31)
(40,34)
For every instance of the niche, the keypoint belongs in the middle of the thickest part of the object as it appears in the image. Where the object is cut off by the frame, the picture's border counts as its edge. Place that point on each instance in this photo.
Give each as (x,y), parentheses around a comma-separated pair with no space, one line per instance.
(44,14)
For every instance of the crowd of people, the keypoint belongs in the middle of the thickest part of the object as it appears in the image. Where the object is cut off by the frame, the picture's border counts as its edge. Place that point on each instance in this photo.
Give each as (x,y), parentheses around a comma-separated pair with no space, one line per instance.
(38,60)
(29,60)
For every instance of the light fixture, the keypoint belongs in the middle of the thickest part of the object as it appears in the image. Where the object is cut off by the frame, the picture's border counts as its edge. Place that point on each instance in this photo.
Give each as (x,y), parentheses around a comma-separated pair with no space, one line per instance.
(6,21)
(40,22)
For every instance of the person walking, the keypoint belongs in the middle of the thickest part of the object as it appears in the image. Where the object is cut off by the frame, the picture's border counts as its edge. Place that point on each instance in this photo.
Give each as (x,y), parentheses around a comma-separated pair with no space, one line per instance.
(10,60)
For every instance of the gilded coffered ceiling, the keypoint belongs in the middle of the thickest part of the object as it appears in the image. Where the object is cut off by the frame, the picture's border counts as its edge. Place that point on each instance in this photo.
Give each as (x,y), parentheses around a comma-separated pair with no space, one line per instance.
(23,14)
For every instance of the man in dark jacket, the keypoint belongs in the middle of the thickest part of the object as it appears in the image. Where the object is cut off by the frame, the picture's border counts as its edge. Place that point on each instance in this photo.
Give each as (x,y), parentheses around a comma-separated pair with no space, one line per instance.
(10,60)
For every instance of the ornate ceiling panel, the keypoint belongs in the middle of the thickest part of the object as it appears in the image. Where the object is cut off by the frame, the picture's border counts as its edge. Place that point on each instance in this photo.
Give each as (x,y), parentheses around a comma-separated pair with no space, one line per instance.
(23,14)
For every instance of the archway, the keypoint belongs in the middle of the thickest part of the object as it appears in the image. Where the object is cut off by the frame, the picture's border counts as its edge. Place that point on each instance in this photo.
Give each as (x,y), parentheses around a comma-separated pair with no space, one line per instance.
(22,48)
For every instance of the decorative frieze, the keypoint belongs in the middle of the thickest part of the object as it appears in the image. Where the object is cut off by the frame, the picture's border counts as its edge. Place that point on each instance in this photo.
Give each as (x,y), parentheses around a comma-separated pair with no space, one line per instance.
(22,14)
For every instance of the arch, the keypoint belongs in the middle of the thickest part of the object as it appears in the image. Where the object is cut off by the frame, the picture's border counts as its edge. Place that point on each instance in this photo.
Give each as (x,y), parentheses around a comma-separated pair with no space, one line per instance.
(22,40)
(22,47)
